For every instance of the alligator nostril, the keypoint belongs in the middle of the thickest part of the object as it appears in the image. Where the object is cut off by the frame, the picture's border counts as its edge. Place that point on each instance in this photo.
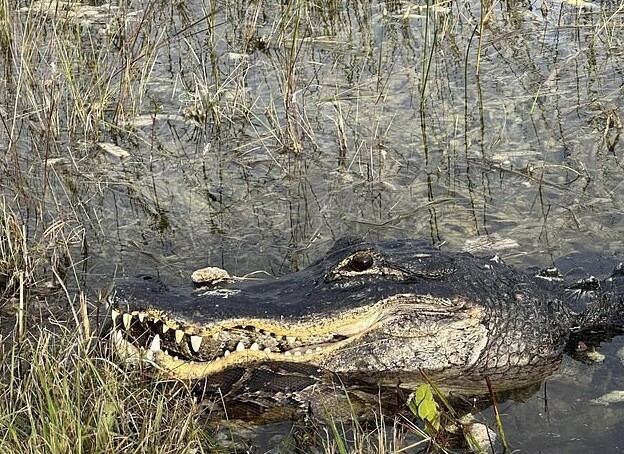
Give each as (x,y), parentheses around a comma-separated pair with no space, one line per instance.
(361,261)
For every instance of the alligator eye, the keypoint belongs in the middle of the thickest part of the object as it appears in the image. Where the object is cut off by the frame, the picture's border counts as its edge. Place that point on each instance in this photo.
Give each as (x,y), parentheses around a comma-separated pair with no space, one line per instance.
(361,261)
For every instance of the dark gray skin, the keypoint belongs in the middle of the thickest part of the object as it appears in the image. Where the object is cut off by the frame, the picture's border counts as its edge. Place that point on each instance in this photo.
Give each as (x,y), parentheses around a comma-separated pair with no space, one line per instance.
(456,317)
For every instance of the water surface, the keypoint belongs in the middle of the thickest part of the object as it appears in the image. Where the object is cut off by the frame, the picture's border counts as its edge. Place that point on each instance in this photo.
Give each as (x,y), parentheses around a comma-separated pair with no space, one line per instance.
(251,135)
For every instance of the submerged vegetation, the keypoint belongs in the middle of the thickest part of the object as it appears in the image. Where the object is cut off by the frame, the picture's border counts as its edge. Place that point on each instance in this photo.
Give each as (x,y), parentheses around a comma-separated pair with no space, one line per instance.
(157,136)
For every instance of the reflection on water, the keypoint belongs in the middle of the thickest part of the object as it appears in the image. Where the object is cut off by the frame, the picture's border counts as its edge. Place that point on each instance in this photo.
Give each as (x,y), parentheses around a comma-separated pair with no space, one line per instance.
(255,133)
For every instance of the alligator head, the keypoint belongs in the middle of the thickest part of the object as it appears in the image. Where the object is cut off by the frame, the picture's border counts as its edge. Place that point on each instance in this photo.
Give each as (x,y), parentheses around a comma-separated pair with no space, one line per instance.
(376,312)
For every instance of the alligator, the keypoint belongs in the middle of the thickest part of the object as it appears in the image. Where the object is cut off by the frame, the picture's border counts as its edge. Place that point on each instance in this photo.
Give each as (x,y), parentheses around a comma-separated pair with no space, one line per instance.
(384,314)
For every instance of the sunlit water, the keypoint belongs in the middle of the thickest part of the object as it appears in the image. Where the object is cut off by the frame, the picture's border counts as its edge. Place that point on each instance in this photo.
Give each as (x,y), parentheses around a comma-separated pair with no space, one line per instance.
(266,130)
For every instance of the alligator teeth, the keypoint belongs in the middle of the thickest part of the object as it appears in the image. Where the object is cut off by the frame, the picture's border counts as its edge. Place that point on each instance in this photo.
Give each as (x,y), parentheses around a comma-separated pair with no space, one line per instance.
(118,337)
(309,351)
(179,335)
(155,345)
(291,339)
(254,347)
(127,319)
(226,353)
(267,350)
(298,353)
(287,353)
(115,314)
(165,328)
(240,346)
(196,342)
(319,349)
(142,316)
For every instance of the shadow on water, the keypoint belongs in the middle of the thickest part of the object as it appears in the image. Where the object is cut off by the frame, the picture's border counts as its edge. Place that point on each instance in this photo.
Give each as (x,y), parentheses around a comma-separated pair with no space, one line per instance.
(250,135)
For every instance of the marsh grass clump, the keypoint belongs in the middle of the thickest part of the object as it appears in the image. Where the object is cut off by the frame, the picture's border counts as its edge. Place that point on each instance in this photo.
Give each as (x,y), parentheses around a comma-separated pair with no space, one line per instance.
(59,393)
(16,264)
(61,390)
(31,259)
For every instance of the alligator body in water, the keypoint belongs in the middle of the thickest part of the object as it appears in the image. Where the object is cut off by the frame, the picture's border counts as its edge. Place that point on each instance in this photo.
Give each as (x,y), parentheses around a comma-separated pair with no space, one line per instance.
(376,313)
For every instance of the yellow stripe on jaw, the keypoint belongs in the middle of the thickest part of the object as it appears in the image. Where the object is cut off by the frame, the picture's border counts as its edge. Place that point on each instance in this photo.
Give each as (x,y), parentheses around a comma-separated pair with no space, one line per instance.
(190,370)
(196,370)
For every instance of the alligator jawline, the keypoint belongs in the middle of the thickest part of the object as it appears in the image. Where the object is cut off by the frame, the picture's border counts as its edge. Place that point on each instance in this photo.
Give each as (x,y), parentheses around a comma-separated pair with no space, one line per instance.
(170,346)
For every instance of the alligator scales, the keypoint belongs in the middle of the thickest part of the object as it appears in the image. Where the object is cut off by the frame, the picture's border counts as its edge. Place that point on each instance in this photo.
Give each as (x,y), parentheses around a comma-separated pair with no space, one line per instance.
(376,313)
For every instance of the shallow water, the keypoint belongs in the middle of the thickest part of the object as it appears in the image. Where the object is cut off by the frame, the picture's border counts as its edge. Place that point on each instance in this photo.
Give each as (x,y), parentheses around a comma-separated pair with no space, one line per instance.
(253,134)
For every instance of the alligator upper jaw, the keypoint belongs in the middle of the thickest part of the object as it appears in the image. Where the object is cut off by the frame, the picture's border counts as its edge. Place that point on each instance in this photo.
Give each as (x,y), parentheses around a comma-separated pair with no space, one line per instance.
(184,351)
